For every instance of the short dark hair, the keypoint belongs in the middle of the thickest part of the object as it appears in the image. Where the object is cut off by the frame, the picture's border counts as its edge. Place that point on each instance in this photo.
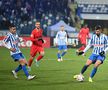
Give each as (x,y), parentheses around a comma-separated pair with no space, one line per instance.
(11,25)
(98,27)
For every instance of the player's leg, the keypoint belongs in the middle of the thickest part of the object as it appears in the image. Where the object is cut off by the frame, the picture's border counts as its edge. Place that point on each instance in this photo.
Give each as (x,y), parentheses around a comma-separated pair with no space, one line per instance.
(23,64)
(83,45)
(41,55)
(30,63)
(88,63)
(91,59)
(64,52)
(96,65)
(58,53)
(32,56)
(16,57)
(18,68)
(99,61)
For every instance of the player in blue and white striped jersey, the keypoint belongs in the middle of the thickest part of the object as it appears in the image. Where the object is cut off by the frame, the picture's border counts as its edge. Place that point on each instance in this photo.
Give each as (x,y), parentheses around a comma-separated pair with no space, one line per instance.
(11,42)
(99,42)
(61,42)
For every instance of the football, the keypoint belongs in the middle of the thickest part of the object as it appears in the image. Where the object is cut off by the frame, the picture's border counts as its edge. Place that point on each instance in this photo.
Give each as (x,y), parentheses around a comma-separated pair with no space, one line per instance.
(80,78)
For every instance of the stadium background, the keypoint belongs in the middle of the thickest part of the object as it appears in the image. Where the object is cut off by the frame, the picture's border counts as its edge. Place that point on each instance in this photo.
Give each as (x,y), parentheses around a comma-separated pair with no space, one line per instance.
(75,13)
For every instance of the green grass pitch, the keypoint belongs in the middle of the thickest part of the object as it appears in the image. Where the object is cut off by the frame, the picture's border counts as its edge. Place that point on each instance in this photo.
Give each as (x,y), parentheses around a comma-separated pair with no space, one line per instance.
(52,75)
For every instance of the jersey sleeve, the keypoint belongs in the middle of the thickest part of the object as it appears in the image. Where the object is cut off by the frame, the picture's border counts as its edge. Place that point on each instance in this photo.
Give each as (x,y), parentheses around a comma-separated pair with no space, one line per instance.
(56,39)
(66,38)
(80,33)
(106,44)
(5,41)
(89,44)
(6,38)
(88,33)
(32,37)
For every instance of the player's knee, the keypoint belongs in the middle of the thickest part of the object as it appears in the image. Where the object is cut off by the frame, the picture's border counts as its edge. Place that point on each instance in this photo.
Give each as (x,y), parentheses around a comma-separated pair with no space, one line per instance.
(87,65)
(58,51)
(42,53)
(65,50)
(23,62)
(96,65)
(31,57)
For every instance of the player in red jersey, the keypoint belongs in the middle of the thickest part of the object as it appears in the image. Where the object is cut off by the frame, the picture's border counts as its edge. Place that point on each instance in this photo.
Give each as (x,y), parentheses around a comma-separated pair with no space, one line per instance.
(37,45)
(82,37)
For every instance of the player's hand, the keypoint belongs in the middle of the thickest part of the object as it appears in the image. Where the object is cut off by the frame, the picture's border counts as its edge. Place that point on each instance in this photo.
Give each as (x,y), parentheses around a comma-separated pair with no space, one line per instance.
(102,53)
(44,41)
(80,53)
(12,49)
(67,43)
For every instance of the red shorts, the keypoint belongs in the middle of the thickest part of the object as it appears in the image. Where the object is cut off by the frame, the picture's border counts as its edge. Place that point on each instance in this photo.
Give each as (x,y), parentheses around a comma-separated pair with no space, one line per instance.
(35,49)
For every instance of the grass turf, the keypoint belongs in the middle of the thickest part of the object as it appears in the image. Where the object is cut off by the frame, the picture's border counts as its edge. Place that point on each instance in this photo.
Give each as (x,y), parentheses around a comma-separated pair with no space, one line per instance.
(52,75)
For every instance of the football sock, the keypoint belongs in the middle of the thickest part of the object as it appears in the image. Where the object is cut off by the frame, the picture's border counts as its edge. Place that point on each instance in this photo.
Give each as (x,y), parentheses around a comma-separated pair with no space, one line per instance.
(58,55)
(30,62)
(93,72)
(39,57)
(63,53)
(18,68)
(84,69)
(25,70)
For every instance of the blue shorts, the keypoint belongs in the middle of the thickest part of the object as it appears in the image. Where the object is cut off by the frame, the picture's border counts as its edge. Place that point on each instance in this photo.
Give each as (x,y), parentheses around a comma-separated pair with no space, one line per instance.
(95,57)
(18,56)
(62,47)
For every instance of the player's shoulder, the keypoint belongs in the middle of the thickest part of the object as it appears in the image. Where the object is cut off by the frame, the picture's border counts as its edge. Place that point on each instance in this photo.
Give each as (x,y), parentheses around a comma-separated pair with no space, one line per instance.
(104,35)
(93,34)
(9,34)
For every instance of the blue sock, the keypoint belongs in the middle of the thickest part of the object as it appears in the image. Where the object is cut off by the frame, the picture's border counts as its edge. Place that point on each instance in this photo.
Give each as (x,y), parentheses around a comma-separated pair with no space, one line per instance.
(63,53)
(25,70)
(58,55)
(93,72)
(84,69)
(18,68)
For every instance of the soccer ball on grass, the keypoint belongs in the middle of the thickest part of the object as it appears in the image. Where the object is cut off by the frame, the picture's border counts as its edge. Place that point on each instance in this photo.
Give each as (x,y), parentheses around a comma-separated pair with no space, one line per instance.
(80,78)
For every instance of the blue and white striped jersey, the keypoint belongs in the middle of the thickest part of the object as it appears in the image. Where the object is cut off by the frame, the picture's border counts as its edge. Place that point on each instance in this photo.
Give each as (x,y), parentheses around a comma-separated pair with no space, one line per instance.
(11,40)
(61,38)
(99,43)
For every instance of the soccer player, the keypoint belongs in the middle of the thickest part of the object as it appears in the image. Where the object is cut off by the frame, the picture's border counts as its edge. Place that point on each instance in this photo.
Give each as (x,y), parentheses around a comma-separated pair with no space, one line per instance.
(11,42)
(82,37)
(61,42)
(99,42)
(37,45)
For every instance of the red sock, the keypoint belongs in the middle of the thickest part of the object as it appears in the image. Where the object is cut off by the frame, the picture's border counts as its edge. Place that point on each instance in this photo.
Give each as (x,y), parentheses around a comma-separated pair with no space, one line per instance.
(30,62)
(82,48)
(39,57)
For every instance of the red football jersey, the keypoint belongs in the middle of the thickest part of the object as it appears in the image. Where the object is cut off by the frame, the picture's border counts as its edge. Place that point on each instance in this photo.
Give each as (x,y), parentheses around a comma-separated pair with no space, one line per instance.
(35,35)
(83,35)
